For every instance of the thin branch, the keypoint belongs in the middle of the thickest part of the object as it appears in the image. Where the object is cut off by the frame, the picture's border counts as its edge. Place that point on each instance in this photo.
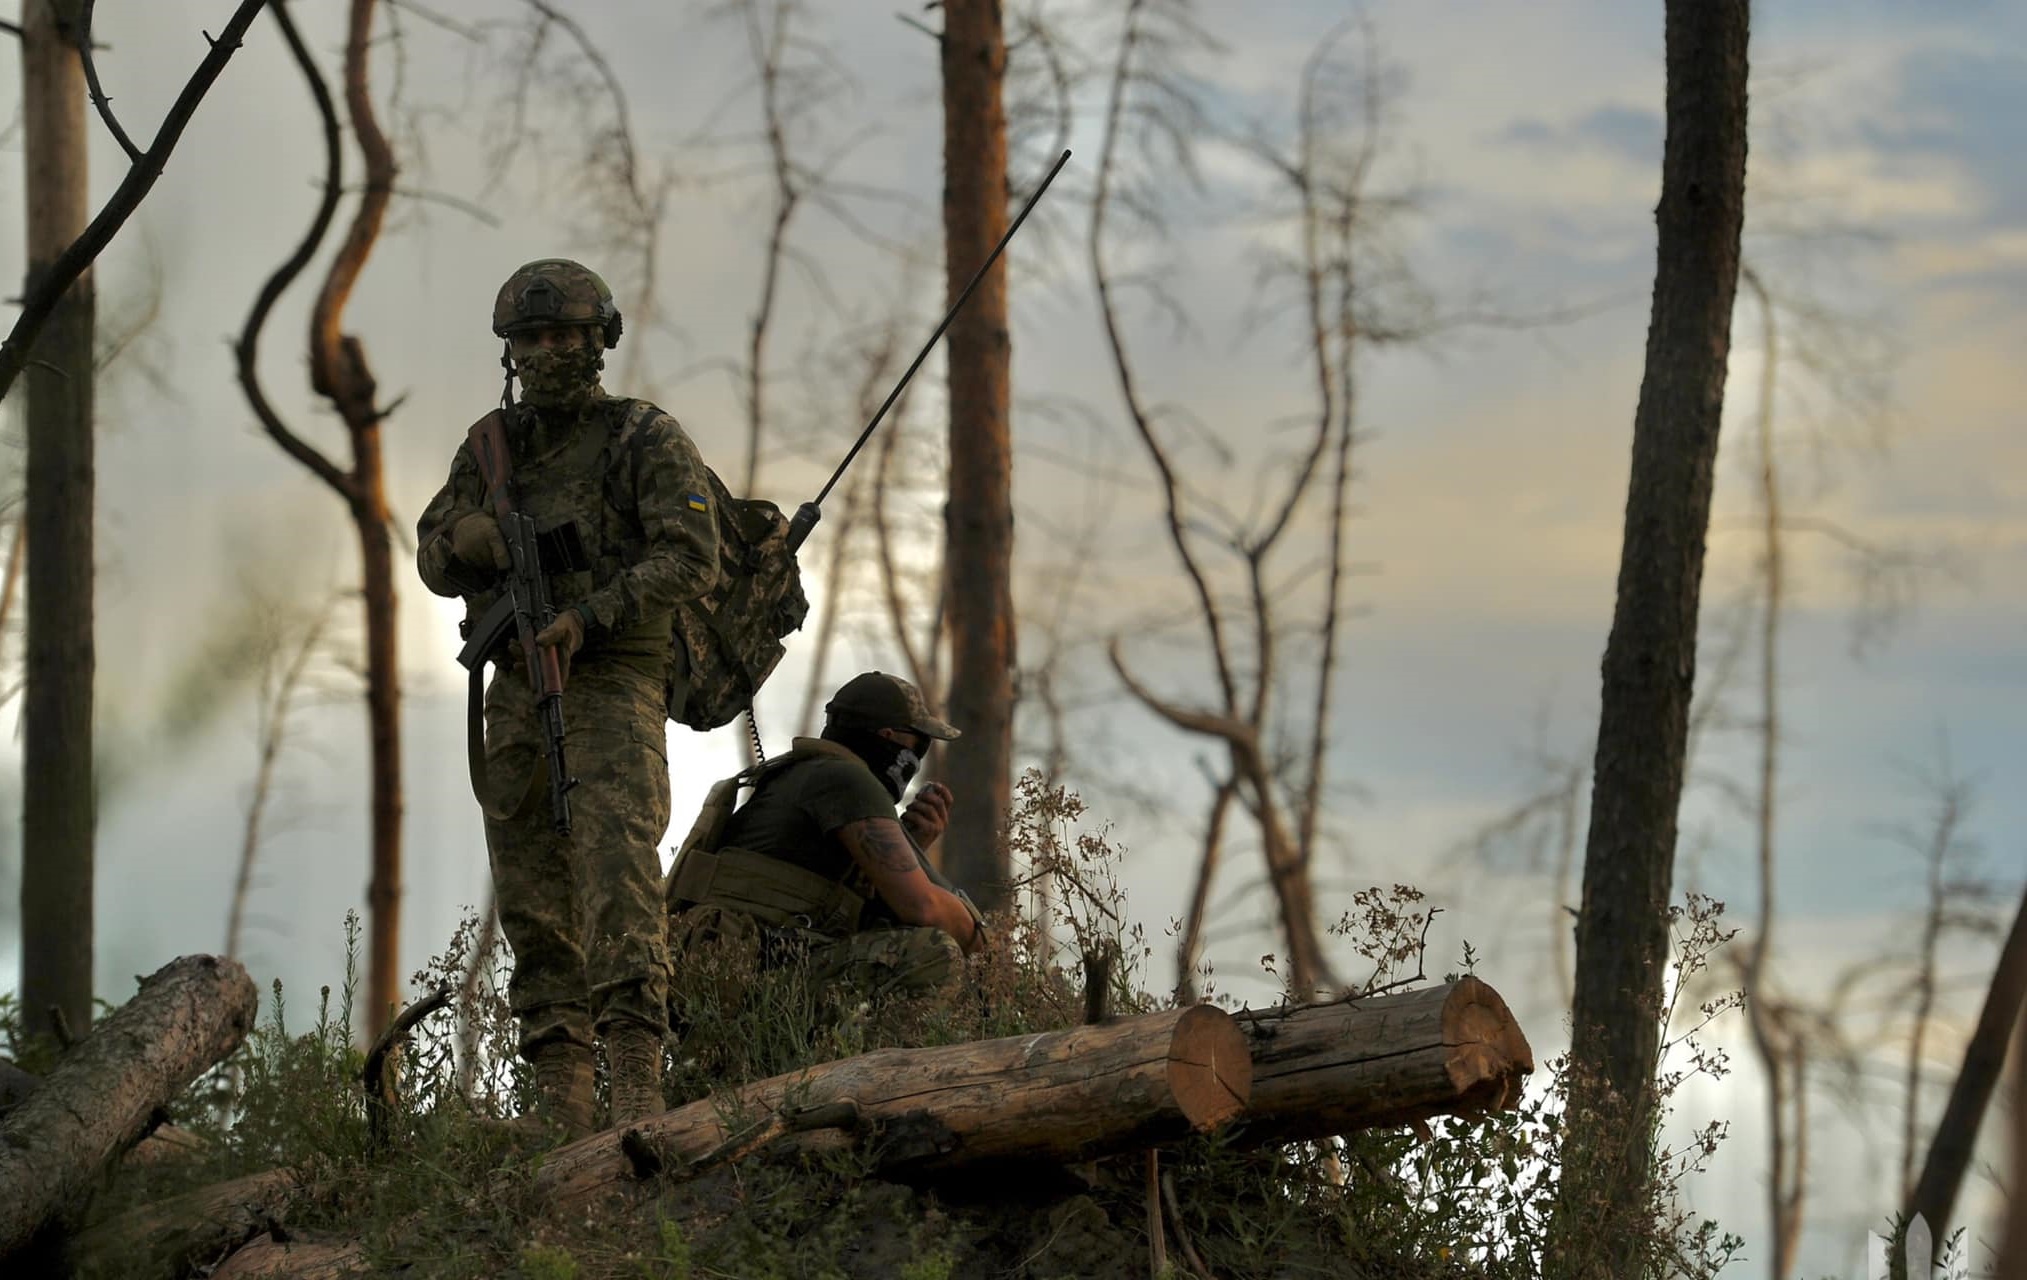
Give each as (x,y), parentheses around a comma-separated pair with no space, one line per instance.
(91,79)
(248,348)
(923,27)
(51,284)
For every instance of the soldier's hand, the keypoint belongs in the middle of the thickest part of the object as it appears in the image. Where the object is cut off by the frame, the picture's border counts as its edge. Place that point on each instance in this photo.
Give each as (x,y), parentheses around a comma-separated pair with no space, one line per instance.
(928,813)
(565,636)
(476,540)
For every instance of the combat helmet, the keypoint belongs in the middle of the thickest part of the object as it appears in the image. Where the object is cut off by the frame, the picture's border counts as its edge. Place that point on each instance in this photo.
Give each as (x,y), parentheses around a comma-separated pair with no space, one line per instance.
(555,291)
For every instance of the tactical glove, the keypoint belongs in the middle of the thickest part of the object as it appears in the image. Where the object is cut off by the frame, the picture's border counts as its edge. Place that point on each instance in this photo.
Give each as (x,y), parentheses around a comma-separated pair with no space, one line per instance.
(476,540)
(565,635)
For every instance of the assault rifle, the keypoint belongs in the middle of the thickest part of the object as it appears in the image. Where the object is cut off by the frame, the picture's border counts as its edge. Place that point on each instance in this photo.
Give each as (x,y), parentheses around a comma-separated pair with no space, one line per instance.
(524,610)
(806,515)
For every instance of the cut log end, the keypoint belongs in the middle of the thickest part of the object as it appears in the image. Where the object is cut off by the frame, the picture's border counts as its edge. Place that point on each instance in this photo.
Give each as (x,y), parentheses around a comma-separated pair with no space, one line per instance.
(1489,1056)
(1210,1072)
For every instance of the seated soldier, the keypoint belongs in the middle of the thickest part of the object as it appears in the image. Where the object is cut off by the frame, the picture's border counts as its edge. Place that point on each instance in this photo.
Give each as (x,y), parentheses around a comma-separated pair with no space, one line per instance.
(815,865)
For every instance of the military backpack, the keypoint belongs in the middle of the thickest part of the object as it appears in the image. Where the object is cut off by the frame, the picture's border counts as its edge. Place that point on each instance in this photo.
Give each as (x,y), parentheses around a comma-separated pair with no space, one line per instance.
(732,634)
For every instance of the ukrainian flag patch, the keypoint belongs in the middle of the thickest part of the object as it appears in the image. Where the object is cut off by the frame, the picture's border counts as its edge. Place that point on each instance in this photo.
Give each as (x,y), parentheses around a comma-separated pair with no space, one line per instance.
(697,502)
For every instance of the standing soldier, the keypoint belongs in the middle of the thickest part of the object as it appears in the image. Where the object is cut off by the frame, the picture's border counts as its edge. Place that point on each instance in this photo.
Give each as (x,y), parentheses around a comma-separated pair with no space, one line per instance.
(621,502)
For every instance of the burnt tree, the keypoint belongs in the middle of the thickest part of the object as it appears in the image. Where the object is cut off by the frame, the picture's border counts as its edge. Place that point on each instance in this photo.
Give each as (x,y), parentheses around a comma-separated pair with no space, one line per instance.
(56,783)
(1650,657)
(978,546)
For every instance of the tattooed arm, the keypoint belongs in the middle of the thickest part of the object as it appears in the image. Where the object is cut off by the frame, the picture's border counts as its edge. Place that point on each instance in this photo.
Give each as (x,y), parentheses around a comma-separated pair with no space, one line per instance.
(881,849)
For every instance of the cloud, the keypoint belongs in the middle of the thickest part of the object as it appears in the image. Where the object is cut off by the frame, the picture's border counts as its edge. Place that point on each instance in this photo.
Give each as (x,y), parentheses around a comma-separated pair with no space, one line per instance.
(1962,107)
(1630,134)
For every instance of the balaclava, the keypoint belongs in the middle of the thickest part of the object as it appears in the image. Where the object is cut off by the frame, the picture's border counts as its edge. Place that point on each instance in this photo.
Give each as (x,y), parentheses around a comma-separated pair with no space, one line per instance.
(559,382)
(891,762)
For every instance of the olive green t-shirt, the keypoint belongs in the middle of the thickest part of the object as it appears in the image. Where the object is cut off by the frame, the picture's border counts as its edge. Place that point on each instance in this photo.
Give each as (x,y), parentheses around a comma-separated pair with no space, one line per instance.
(794,815)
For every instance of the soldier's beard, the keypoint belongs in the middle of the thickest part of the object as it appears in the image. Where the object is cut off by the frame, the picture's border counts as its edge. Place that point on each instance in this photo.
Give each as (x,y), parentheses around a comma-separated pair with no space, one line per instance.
(559,380)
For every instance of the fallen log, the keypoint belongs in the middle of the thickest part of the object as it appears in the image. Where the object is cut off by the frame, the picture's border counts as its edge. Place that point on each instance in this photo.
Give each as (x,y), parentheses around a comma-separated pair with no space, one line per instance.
(55,1143)
(1060,1095)
(159,1143)
(270,1259)
(177,1236)
(1321,1070)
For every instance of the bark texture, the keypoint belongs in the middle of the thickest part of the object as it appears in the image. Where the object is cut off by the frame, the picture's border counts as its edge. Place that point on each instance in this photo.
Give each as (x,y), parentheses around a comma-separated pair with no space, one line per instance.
(1063,1096)
(1326,1069)
(1949,1153)
(189,1015)
(268,1258)
(978,549)
(56,773)
(1650,657)
(174,1237)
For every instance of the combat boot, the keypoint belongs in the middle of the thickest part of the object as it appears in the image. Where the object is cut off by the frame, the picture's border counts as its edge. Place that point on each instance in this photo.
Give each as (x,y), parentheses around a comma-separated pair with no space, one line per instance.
(633,1059)
(564,1094)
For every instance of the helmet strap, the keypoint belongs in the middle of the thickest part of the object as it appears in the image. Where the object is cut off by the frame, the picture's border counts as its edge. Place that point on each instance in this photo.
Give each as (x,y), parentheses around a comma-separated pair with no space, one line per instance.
(507,405)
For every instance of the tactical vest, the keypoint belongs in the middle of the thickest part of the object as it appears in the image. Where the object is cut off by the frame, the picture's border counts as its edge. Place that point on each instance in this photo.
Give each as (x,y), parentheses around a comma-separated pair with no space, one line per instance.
(778,894)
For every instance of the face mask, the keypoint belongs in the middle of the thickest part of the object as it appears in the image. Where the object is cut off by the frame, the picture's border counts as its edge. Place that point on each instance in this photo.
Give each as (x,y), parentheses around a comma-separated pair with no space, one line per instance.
(901,771)
(559,378)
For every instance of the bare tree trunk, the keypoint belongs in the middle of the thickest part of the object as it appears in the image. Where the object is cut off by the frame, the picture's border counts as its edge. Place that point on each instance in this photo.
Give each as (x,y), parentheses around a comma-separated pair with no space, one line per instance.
(338,371)
(1942,838)
(1650,657)
(281,678)
(1772,1039)
(1190,945)
(57,818)
(2013,1254)
(1949,1153)
(978,562)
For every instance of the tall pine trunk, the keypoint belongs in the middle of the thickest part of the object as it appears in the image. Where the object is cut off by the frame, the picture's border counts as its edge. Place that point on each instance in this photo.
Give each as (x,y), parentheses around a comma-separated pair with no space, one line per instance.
(57,799)
(1650,657)
(978,521)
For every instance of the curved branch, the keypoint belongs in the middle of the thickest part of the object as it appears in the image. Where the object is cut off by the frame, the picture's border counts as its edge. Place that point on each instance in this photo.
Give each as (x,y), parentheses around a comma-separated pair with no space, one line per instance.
(91,80)
(1227,729)
(379,1089)
(249,339)
(338,368)
(71,263)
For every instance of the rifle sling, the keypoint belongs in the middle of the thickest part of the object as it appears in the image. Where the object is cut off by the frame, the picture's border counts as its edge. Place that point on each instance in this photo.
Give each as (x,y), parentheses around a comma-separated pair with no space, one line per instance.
(490,632)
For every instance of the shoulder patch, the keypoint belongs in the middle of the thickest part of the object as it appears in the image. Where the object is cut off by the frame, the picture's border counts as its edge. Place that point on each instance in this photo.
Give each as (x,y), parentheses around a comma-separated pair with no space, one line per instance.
(697,502)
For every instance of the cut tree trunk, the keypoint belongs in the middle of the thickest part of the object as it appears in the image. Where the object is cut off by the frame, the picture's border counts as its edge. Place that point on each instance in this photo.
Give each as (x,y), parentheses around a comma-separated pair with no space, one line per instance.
(1325,1069)
(99,1100)
(171,1238)
(1058,1095)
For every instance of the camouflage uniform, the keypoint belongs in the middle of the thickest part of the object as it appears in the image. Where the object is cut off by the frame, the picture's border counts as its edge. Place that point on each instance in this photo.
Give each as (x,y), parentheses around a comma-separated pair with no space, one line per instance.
(781,887)
(583,913)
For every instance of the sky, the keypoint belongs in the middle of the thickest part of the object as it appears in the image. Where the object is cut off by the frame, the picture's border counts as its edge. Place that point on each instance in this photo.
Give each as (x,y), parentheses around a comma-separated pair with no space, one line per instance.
(1885,209)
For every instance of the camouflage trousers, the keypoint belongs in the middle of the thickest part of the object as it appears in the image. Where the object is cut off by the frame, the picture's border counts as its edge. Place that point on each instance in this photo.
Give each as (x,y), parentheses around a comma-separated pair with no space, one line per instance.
(582,913)
(710,945)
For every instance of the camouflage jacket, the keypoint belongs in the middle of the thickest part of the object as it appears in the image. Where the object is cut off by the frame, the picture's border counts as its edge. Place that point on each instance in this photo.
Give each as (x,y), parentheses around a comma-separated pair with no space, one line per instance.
(642,514)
